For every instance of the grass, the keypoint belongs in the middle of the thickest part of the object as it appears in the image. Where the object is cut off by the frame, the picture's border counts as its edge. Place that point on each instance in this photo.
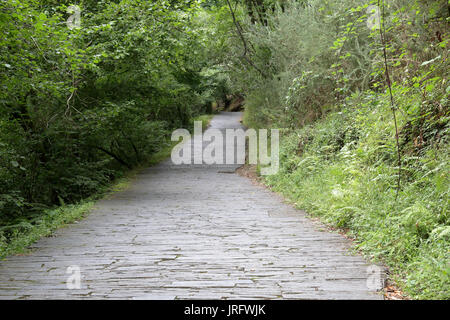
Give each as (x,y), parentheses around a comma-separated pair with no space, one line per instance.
(51,220)
(343,170)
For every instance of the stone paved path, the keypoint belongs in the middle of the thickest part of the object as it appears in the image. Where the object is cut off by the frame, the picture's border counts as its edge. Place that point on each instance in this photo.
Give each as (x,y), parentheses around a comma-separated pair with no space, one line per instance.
(198,232)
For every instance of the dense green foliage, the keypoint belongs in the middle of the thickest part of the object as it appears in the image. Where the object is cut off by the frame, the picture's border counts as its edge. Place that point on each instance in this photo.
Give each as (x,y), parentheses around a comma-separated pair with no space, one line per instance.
(316,69)
(79,105)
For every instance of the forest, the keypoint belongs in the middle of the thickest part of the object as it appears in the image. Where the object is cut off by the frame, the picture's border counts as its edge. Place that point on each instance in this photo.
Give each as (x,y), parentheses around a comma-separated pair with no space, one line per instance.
(91,90)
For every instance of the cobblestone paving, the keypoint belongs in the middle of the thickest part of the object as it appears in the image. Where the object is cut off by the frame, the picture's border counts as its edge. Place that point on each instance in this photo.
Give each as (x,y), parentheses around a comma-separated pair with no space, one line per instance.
(191,233)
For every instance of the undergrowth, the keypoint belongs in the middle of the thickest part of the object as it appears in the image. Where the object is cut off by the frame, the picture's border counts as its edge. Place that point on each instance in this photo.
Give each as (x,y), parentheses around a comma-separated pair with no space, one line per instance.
(343,169)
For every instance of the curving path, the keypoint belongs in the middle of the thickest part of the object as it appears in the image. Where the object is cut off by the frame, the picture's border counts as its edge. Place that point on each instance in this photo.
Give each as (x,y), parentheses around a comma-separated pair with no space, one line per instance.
(191,232)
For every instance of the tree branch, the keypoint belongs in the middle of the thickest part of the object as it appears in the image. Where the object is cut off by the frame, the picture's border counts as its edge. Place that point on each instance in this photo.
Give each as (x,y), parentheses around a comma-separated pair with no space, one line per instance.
(244,42)
(388,82)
